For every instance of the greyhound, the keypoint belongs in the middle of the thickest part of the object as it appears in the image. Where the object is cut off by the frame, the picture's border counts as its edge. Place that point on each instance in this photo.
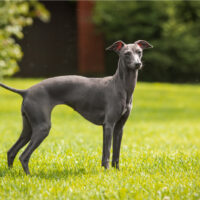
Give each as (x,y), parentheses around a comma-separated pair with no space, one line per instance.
(103,101)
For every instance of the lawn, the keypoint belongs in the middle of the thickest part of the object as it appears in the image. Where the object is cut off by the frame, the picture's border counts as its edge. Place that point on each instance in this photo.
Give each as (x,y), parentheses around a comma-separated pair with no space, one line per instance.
(160,154)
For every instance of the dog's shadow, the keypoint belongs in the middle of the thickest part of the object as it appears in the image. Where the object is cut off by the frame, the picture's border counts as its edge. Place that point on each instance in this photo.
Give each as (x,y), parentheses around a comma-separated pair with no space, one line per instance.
(50,174)
(62,174)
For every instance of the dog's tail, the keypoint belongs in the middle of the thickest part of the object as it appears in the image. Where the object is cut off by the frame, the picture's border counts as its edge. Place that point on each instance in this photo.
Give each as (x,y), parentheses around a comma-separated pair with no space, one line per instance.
(21,92)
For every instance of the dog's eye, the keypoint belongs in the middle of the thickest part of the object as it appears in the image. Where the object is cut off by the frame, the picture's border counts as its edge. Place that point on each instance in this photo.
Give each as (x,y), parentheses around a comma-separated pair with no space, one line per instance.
(139,53)
(128,53)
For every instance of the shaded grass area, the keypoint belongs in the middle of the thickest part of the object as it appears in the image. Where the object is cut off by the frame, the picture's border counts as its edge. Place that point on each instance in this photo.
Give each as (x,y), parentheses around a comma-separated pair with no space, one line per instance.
(160,154)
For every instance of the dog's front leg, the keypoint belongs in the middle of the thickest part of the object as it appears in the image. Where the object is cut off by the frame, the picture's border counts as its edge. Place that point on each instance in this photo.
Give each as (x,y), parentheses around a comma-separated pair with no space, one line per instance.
(117,137)
(107,138)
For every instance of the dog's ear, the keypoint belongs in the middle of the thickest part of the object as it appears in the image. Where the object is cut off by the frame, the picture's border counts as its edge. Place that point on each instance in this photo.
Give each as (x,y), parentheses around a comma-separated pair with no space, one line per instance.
(116,46)
(143,44)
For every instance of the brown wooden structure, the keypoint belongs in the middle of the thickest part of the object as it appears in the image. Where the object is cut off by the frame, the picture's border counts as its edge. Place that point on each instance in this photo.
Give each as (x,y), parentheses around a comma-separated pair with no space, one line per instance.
(68,44)
(90,42)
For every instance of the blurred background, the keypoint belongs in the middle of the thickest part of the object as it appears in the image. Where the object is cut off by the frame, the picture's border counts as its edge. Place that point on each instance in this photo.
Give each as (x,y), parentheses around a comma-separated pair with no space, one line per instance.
(51,38)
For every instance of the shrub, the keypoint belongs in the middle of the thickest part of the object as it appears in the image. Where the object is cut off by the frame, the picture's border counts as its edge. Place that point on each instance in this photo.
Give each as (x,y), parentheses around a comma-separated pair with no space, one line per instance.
(172,27)
(15,15)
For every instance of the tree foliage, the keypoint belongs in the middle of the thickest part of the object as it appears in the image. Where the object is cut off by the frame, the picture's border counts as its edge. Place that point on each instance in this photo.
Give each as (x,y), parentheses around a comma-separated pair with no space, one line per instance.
(14,16)
(172,27)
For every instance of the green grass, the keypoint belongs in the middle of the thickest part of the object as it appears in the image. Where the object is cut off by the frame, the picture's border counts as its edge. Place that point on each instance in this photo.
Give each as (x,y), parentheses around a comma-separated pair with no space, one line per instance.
(160,154)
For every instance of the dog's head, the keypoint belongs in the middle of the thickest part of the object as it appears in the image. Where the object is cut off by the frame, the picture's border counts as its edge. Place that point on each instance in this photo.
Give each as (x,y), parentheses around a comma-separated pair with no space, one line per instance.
(131,54)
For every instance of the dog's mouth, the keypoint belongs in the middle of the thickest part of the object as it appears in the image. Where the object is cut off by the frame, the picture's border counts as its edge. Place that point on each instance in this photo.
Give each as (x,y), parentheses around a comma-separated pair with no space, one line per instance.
(140,67)
(137,67)
(134,66)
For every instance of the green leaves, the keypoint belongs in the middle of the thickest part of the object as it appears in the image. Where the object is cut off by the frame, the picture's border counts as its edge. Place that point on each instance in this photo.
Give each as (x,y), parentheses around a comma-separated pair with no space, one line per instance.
(171,27)
(15,15)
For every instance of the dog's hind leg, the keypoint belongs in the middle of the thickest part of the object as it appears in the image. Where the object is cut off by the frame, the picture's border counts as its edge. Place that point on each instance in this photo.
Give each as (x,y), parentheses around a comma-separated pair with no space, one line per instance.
(38,111)
(22,141)
(40,132)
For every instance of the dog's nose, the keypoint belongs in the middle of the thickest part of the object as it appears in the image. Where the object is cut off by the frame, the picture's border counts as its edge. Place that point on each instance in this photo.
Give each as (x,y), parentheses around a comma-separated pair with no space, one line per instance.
(138,64)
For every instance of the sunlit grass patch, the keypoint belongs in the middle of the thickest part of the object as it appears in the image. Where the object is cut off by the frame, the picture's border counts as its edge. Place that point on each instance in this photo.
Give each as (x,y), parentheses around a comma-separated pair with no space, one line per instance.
(160,154)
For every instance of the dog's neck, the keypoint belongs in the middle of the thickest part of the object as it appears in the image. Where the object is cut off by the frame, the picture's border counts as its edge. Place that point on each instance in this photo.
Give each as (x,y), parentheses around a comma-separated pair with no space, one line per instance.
(126,79)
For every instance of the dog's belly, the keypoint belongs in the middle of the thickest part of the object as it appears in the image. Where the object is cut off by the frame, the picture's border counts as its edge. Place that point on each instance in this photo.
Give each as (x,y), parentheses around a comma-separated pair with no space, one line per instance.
(95,116)
(91,108)
(92,112)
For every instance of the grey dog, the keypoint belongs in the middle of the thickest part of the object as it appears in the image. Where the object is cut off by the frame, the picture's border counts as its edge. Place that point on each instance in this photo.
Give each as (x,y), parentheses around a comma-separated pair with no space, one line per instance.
(103,101)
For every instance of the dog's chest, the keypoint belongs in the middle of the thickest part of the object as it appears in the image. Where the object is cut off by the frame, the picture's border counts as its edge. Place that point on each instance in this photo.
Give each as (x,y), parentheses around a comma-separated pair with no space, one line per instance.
(126,107)
(124,110)
(126,103)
